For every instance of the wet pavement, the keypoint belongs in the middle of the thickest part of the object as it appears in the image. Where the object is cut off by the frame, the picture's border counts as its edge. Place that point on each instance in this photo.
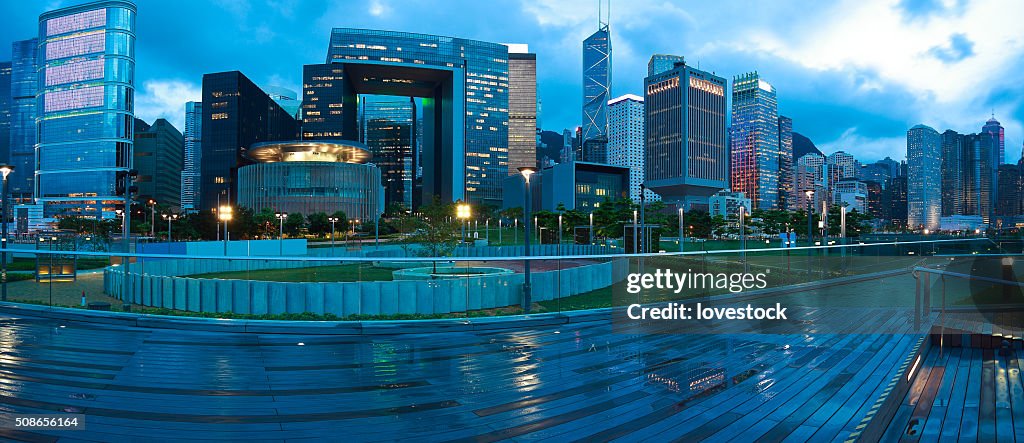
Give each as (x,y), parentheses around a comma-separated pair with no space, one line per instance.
(572,382)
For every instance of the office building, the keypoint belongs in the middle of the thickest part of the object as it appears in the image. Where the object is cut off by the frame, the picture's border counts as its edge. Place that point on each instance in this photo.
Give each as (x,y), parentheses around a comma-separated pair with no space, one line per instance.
(159,160)
(328,111)
(663,62)
(686,158)
(851,193)
(1009,184)
(995,130)
(464,87)
(841,165)
(953,168)
(810,175)
(787,196)
(626,141)
(597,78)
(22,140)
(389,133)
(193,156)
(522,108)
(285,98)
(236,115)
(754,141)
(924,178)
(979,175)
(5,111)
(898,202)
(727,204)
(877,201)
(309,177)
(85,103)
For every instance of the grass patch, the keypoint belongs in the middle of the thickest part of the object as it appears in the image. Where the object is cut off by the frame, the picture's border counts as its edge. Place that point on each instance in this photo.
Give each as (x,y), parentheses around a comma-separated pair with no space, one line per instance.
(29,264)
(333,273)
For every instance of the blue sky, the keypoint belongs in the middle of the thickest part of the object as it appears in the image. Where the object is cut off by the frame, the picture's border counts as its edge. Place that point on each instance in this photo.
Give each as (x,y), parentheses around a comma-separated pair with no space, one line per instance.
(853,74)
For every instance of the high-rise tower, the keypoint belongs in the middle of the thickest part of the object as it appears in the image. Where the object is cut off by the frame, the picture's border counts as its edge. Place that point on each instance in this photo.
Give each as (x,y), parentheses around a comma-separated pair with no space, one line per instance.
(597,78)
(754,169)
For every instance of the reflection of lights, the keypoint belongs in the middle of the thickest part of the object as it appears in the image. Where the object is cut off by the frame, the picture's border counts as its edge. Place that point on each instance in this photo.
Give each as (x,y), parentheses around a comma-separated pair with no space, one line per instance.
(669,382)
(301,344)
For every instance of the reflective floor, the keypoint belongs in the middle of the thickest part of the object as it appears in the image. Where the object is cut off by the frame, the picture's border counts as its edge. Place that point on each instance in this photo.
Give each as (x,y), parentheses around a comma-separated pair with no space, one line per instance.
(575,382)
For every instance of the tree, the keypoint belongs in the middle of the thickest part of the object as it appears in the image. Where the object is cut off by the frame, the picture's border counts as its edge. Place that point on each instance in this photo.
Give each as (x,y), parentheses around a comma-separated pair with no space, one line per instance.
(318,224)
(294,223)
(439,232)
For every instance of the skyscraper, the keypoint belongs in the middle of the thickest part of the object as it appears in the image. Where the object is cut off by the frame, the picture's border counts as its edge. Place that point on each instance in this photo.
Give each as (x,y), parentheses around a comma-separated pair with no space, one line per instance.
(5,111)
(284,97)
(389,134)
(952,173)
(1009,184)
(626,141)
(686,158)
(841,165)
(979,175)
(522,108)
(597,77)
(663,62)
(193,157)
(924,190)
(21,182)
(328,112)
(995,130)
(810,175)
(86,98)
(159,160)
(787,196)
(236,114)
(754,139)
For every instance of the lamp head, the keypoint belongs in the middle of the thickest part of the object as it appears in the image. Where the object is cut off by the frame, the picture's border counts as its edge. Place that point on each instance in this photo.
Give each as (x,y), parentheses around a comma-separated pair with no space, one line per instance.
(527,171)
(6,170)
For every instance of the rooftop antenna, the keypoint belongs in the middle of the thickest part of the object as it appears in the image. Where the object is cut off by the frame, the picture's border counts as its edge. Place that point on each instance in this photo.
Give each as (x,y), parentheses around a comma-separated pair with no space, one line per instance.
(602,22)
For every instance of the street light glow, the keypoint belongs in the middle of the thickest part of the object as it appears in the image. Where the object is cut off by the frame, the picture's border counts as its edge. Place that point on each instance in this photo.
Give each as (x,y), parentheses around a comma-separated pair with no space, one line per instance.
(224,213)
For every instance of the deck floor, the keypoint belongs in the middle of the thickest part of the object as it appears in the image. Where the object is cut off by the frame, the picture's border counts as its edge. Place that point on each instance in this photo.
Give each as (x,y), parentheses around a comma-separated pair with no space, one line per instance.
(575,382)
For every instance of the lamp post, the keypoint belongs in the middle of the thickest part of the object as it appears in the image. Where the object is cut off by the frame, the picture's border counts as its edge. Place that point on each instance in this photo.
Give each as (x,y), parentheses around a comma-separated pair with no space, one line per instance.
(527,171)
(462,212)
(224,215)
(682,235)
(591,228)
(559,234)
(280,231)
(333,220)
(824,224)
(152,217)
(810,217)
(634,232)
(487,230)
(5,170)
(169,217)
(643,221)
(743,235)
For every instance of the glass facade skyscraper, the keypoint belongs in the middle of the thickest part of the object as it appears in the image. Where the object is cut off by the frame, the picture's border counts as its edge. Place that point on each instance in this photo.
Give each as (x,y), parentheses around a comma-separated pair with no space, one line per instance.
(159,157)
(465,92)
(236,114)
(328,111)
(597,81)
(995,130)
(754,141)
(193,156)
(924,178)
(663,62)
(952,173)
(5,110)
(85,99)
(22,148)
(389,133)
(522,108)
(687,154)
(787,196)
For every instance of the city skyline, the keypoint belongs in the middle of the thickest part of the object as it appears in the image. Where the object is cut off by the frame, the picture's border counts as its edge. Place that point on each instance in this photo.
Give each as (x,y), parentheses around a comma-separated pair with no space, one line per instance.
(847,101)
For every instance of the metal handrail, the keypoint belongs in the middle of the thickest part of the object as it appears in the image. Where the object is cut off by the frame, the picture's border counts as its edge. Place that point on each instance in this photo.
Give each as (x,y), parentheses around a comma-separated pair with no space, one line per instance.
(466,259)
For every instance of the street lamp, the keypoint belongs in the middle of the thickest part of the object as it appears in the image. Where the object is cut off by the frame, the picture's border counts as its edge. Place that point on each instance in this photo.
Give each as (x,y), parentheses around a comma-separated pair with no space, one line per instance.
(634,232)
(169,217)
(5,170)
(682,236)
(743,235)
(224,215)
(527,171)
(280,230)
(463,213)
(810,222)
(643,221)
(333,220)
(152,217)
(591,228)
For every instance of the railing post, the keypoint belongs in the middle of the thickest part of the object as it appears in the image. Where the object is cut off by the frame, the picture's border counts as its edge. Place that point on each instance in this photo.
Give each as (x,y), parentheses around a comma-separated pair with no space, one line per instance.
(926,304)
(917,301)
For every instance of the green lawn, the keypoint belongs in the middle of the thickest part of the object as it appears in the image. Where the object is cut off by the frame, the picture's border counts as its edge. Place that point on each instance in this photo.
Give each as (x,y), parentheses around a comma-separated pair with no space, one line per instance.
(29,264)
(336,273)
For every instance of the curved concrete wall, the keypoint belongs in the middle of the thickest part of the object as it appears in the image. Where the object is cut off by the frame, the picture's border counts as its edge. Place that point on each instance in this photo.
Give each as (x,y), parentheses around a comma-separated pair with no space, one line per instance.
(159,285)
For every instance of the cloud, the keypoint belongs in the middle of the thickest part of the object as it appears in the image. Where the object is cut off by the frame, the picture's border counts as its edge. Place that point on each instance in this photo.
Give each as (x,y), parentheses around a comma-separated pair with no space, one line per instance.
(958,49)
(166,99)
(378,8)
(866,149)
